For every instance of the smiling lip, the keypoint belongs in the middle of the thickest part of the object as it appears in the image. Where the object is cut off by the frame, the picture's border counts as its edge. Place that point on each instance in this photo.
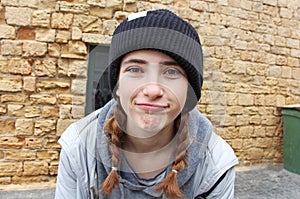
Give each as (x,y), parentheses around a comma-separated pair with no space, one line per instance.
(151,107)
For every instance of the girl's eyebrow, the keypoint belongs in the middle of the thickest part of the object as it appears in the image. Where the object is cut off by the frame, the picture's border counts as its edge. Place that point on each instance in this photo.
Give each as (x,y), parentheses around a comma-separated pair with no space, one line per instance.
(137,61)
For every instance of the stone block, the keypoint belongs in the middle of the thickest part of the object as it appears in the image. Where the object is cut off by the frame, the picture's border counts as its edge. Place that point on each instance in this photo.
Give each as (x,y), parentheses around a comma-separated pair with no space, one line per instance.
(83,21)
(109,26)
(18,66)
(45,127)
(33,168)
(76,33)
(78,112)
(33,143)
(25,179)
(61,20)
(14,98)
(41,18)
(63,36)
(78,86)
(15,110)
(5,180)
(245,99)
(96,38)
(53,86)
(45,68)
(7,142)
(18,16)
(26,33)
(65,112)
(45,35)
(51,143)
(42,98)
(20,155)
(47,155)
(34,48)
(50,112)
(32,111)
(77,47)
(73,7)
(53,168)
(29,84)
(10,168)
(24,127)
(9,47)
(7,32)
(54,49)
(8,126)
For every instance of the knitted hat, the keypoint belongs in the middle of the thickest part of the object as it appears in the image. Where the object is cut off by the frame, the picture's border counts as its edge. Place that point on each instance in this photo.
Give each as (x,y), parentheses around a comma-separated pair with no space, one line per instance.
(164,31)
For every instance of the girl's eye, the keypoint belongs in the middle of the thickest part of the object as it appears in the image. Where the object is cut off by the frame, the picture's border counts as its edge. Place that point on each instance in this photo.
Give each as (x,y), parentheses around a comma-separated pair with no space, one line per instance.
(134,69)
(172,73)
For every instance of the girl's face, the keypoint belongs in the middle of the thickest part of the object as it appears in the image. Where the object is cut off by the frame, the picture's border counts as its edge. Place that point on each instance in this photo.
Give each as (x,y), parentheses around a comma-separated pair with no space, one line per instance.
(152,89)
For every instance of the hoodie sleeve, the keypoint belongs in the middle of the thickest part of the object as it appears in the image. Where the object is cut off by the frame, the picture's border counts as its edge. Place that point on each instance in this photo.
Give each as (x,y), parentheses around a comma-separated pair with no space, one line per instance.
(66,178)
(225,189)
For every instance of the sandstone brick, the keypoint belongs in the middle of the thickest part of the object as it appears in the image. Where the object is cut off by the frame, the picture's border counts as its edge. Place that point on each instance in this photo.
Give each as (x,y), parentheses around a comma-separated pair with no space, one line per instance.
(45,35)
(100,3)
(61,20)
(76,33)
(25,179)
(26,33)
(18,16)
(78,86)
(259,131)
(20,155)
(5,180)
(32,111)
(8,125)
(19,66)
(41,18)
(45,127)
(9,47)
(102,12)
(24,127)
(34,48)
(53,168)
(255,120)
(14,98)
(7,142)
(15,110)
(65,112)
(42,98)
(33,143)
(50,112)
(3,64)
(109,26)
(245,99)
(296,73)
(234,110)
(275,71)
(242,120)
(236,144)
(254,154)
(83,21)
(54,49)
(10,168)
(130,7)
(47,155)
(295,53)
(29,84)
(33,168)
(53,86)
(62,36)
(7,32)
(73,7)
(51,143)
(96,38)
(45,68)
(77,47)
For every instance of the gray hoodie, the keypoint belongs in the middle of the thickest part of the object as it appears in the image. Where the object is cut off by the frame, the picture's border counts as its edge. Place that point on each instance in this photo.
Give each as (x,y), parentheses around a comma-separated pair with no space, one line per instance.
(85,162)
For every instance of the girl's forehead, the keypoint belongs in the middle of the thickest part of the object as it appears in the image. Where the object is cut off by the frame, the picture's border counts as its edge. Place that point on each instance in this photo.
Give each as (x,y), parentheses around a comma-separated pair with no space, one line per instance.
(148,55)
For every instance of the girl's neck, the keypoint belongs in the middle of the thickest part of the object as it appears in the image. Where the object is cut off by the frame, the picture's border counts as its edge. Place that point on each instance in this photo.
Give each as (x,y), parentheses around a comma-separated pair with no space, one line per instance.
(154,143)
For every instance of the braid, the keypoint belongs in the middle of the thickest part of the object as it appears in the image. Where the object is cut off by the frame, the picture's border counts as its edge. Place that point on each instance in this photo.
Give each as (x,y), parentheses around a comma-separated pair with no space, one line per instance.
(115,137)
(170,185)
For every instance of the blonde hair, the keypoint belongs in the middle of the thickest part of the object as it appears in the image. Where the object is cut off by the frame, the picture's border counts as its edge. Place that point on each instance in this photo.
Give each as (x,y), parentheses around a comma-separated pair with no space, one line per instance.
(115,134)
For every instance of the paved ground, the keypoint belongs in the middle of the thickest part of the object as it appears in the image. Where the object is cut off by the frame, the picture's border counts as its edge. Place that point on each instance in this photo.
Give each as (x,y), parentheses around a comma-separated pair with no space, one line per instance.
(258,183)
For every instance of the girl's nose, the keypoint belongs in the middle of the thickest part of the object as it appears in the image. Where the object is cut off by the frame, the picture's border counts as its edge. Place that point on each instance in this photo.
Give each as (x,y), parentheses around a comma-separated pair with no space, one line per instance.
(153,90)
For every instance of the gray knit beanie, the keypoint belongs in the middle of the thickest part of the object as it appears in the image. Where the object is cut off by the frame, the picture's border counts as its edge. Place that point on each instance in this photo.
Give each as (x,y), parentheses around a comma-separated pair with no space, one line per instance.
(164,31)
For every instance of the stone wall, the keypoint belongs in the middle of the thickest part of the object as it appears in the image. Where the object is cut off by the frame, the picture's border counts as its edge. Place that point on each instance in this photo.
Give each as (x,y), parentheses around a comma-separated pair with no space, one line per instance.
(251,49)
